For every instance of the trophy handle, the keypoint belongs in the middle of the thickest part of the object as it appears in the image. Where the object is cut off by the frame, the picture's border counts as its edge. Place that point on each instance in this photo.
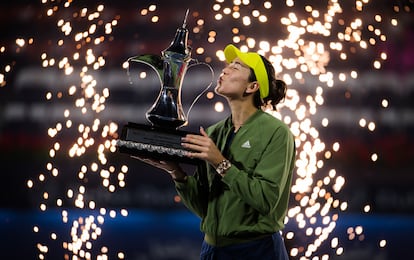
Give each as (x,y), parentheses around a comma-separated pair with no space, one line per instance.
(154,61)
(192,63)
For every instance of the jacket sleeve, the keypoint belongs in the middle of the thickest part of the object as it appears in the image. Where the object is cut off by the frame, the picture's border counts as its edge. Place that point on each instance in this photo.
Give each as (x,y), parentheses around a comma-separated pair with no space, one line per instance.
(194,192)
(272,175)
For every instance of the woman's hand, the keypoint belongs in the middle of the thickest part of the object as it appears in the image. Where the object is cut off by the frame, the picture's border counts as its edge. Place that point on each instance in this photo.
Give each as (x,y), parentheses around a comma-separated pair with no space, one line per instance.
(170,167)
(202,147)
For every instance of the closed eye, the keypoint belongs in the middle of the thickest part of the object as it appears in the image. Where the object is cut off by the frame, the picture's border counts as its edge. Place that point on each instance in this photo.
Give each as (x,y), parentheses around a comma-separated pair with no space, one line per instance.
(236,65)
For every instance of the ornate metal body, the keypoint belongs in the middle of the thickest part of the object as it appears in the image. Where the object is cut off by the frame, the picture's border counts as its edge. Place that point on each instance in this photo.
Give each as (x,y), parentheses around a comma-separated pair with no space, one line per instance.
(171,66)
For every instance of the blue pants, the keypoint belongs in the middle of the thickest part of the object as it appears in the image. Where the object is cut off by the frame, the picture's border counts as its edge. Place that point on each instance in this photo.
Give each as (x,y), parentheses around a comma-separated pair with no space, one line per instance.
(269,248)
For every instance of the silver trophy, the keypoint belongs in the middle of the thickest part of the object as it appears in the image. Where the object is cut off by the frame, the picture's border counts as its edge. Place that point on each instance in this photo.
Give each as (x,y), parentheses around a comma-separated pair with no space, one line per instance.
(162,138)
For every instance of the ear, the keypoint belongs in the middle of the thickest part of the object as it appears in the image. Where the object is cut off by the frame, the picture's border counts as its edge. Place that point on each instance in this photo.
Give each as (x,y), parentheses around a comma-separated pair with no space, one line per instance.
(252,87)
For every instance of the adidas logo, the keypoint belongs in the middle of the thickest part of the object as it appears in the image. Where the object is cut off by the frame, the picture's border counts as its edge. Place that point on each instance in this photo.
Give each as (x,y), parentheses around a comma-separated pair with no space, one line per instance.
(246,144)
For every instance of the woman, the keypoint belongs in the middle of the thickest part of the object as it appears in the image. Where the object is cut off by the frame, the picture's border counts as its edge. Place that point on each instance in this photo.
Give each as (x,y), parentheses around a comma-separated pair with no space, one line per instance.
(241,192)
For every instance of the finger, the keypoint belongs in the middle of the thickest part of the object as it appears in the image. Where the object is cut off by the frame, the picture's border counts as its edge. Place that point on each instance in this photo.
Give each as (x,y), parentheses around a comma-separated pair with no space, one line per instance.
(196,139)
(192,137)
(193,147)
(203,132)
(195,155)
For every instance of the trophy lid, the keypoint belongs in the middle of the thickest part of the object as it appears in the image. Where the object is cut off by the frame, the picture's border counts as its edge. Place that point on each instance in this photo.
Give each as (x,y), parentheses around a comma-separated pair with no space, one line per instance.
(179,44)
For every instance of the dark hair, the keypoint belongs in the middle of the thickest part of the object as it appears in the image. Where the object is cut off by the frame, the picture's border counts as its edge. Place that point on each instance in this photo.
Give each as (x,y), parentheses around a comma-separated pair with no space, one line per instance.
(277,87)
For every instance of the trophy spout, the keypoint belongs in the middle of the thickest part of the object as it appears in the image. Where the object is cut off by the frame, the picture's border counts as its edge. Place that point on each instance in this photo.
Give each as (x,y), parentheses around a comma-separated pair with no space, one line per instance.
(153,61)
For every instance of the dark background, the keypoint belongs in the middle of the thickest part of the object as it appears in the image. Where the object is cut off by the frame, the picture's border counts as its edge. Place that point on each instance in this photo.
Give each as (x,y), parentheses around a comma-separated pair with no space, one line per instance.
(158,226)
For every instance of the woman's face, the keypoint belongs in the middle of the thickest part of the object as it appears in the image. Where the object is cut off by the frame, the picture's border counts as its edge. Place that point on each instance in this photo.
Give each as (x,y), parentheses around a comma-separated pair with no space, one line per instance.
(233,80)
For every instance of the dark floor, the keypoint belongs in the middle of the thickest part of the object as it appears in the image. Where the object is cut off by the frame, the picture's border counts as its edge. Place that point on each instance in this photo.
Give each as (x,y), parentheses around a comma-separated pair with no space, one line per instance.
(175,235)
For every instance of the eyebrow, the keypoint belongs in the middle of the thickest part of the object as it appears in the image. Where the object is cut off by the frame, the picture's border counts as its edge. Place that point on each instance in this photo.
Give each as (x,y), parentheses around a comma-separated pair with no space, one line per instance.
(241,64)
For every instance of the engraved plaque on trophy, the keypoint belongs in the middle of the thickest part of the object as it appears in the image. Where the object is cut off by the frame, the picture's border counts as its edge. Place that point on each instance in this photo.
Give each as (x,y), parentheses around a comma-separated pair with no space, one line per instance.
(162,138)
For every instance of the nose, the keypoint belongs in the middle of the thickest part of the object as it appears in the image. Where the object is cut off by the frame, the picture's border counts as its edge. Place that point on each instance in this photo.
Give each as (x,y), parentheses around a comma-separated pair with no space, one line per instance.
(223,72)
(225,69)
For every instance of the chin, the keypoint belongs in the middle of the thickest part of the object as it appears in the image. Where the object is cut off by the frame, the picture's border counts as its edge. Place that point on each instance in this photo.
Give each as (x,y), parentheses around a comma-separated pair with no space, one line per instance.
(216,89)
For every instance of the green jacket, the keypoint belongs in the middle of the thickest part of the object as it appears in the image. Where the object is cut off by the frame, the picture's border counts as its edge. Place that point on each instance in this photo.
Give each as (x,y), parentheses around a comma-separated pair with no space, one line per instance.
(251,200)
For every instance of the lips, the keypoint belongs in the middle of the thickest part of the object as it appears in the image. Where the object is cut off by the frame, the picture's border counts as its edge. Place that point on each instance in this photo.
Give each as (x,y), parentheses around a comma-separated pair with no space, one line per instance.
(219,80)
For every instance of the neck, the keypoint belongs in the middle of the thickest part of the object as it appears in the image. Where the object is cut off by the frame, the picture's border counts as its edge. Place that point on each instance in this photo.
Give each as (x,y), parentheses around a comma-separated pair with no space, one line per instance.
(240,112)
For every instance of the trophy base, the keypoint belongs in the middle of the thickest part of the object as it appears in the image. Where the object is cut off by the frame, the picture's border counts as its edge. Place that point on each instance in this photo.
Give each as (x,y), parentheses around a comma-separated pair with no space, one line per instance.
(154,142)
